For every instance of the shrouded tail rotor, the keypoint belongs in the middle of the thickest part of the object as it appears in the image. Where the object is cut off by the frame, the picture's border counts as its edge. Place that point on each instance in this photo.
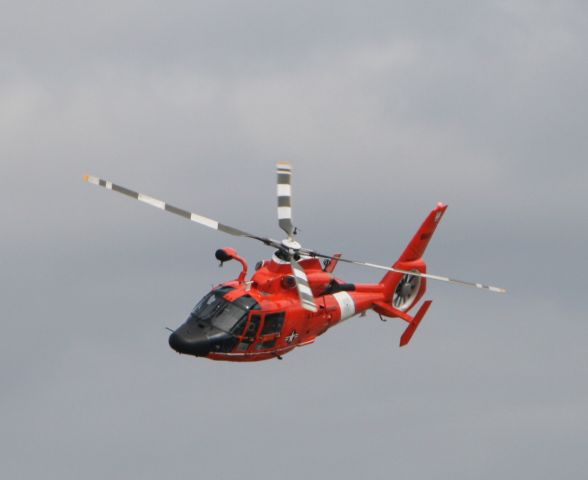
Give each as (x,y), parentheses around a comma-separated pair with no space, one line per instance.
(406,291)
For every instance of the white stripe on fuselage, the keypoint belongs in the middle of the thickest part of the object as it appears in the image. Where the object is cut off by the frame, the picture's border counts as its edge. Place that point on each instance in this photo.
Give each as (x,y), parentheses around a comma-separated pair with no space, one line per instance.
(346,304)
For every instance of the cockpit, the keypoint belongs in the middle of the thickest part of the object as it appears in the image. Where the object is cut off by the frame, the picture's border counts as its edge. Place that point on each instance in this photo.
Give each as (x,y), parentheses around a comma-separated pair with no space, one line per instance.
(216,312)
(215,324)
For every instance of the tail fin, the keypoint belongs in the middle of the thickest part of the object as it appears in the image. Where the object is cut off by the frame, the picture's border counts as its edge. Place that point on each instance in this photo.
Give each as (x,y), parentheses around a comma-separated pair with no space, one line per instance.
(411,258)
(417,246)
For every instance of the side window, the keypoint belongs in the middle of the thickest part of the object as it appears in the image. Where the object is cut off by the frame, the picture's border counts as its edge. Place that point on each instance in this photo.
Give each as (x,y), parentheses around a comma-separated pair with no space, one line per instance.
(250,333)
(273,323)
(272,326)
(252,328)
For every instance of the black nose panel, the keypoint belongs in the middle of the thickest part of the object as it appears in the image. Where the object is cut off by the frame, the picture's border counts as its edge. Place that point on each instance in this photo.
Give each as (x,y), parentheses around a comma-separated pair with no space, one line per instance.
(185,341)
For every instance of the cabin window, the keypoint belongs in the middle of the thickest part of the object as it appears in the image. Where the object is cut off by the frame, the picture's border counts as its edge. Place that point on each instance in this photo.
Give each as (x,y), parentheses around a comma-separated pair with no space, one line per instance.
(267,344)
(272,326)
(273,323)
(250,333)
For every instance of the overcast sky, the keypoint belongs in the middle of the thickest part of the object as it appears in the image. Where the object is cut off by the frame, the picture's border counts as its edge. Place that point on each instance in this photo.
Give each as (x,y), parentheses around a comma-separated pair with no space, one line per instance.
(383,108)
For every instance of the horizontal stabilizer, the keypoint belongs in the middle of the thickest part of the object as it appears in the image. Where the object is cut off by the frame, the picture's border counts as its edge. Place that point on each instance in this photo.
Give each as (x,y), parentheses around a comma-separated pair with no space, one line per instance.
(412,326)
(390,311)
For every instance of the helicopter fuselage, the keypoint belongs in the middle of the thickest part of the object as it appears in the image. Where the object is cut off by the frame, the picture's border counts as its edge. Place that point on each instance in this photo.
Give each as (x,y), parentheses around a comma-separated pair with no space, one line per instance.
(262,318)
(292,299)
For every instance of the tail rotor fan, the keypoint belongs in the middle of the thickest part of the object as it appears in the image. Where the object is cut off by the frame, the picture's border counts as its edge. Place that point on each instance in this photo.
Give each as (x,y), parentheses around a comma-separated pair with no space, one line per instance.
(406,291)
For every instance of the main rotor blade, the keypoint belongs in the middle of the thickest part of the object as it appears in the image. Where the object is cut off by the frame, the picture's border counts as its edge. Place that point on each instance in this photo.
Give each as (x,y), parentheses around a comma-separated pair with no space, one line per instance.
(407,272)
(304,291)
(207,222)
(284,191)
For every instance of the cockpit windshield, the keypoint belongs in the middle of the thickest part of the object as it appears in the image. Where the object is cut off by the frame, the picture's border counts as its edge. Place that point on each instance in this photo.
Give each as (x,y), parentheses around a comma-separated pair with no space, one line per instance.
(214,310)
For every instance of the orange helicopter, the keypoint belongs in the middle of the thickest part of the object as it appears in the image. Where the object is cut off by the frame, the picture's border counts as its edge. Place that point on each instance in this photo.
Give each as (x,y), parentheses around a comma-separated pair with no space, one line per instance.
(293,298)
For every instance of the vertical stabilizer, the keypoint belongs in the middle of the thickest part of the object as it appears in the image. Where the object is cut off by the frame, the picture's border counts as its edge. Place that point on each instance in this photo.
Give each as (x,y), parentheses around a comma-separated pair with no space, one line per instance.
(417,246)
(410,288)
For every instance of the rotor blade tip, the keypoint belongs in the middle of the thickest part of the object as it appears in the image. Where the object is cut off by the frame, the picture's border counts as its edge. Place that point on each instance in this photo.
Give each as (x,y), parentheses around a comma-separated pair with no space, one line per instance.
(86,178)
(496,289)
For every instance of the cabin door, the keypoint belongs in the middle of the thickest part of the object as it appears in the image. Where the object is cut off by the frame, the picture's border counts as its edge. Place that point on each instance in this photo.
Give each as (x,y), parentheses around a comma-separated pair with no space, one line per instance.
(250,333)
(270,331)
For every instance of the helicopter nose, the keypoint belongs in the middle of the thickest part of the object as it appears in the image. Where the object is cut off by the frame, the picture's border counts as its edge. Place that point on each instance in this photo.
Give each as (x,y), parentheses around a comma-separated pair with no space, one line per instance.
(190,345)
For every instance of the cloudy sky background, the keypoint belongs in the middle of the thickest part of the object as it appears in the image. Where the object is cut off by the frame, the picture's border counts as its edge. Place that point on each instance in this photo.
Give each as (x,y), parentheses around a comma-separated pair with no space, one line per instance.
(383,108)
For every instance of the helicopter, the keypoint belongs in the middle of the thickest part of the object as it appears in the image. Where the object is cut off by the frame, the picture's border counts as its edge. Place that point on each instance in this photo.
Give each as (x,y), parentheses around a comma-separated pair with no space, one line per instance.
(293,297)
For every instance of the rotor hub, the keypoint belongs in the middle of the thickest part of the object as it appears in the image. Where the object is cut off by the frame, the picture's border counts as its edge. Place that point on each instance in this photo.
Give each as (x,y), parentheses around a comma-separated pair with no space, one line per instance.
(406,289)
(292,245)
